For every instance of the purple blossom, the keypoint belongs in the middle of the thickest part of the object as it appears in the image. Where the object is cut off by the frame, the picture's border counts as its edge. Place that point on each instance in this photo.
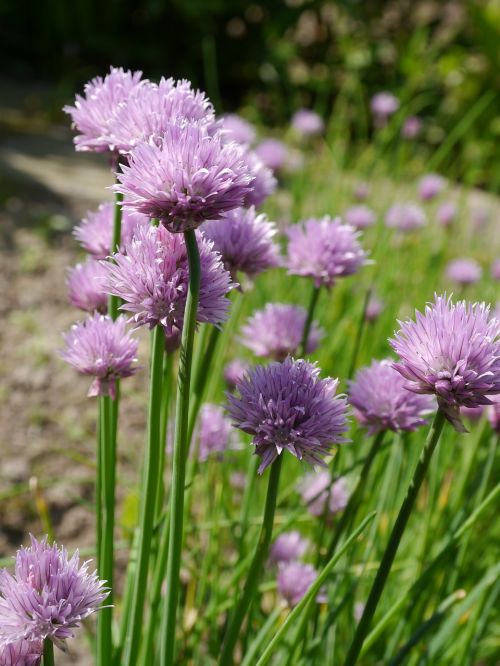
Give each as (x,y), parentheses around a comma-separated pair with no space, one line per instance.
(324,249)
(494,413)
(184,177)
(452,351)
(446,213)
(464,271)
(151,277)
(472,413)
(374,308)
(103,349)
(276,331)
(234,372)
(245,240)
(214,431)
(288,547)
(235,128)
(361,191)
(307,122)
(294,580)
(21,653)
(495,269)
(412,127)
(95,231)
(85,286)
(93,113)
(272,153)
(383,105)
(405,217)
(360,216)
(430,186)
(321,493)
(287,406)
(264,183)
(48,596)
(381,400)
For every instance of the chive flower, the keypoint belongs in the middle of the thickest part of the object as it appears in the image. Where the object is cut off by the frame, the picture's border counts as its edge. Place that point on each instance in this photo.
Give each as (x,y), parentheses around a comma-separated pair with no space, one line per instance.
(85,286)
(21,653)
(322,494)
(307,122)
(405,217)
(214,431)
(360,216)
(235,128)
(430,186)
(288,547)
(464,272)
(294,580)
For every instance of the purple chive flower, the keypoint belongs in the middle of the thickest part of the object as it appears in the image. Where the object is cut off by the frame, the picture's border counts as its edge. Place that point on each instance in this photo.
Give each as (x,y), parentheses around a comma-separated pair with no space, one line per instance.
(374,308)
(151,277)
(85,286)
(383,105)
(95,231)
(287,406)
(405,217)
(49,594)
(214,431)
(235,128)
(452,351)
(472,413)
(446,213)
(276,331)
(272,153)
(321,493)
(412,127)
(21,653)
(495,269)
(382,402)
(361,191)
(307,122)
(184,178)
(234,372)
(264,183)
(93,114)
(294,580)
(150,110)
(430,186)
(494,413)
(245,240)
(288,547)
(103,349)
(324,249)
(360,216)
(464,271)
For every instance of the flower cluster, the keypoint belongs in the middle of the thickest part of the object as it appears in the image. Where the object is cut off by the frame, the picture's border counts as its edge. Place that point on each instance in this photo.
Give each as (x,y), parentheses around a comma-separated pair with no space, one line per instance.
(214,431)
(85,286)
(323,494)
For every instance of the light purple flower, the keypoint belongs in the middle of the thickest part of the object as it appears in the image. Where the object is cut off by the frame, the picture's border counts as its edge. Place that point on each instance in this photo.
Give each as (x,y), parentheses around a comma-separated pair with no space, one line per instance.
(307,122)
(245,240)
(464,271)
(430,186)
(234,372)
(151,277)
(361,191)
(288,547)
(360,216)
(276,331)
(321,493)
(446,213)
(412,127)
(374,308)
(235,128)
(452,351)
(273,153)
(103,349)
(85,286)
(495,269)
(287,406)
(93,113)
(95,231)
(49,594)
(151,108)
(494,413)
(324,249)
(21,653)
(405,217)
(264,183)
(381,400)
(383,105)
(472,413)
(214,431)
(184,177)
(294,580)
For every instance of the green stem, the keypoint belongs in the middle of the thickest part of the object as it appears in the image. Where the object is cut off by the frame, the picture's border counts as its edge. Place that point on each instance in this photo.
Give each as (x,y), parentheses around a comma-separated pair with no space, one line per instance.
(181,444)
(259,557)
(359,335)
(48,652)
(310,314)
(98,492)
(168,364)
(114,301)
(150,487)
(395,539)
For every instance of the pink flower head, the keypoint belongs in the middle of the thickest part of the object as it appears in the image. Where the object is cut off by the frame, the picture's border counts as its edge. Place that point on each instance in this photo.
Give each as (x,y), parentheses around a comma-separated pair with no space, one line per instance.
(234,372)
(214,431)
(374,308)
(307,122)
(288,547)
(360,216)
(264,183)
(464,271)
(235,128)
(430,186)
(412,127)
(321,493)
(494,413)
(21,653)
(272,153)
(85,286)
(446,213)
(294,580)
(383,105)
(495,270)
(405,217)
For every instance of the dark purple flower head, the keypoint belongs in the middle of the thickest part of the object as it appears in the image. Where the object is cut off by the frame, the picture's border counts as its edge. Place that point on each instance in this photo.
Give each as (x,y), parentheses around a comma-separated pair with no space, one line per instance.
(49,594)
(95,231)
(184,178)
(307,122)
(276,331)
(294,580)
(234,371)
(464,271)
(235,128)
(405,217)
(151,108)
(264,183)
(446,213)
(93,113)
(103,349)
(288,547)
(21,653)
(214,431)
(360,216)
(412,127)
(85,286)
(452,351)
(273,153)
(287,406)
(151,277)
(324,249)
(381,400)
(430,186)
(245,240)
(321,493)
